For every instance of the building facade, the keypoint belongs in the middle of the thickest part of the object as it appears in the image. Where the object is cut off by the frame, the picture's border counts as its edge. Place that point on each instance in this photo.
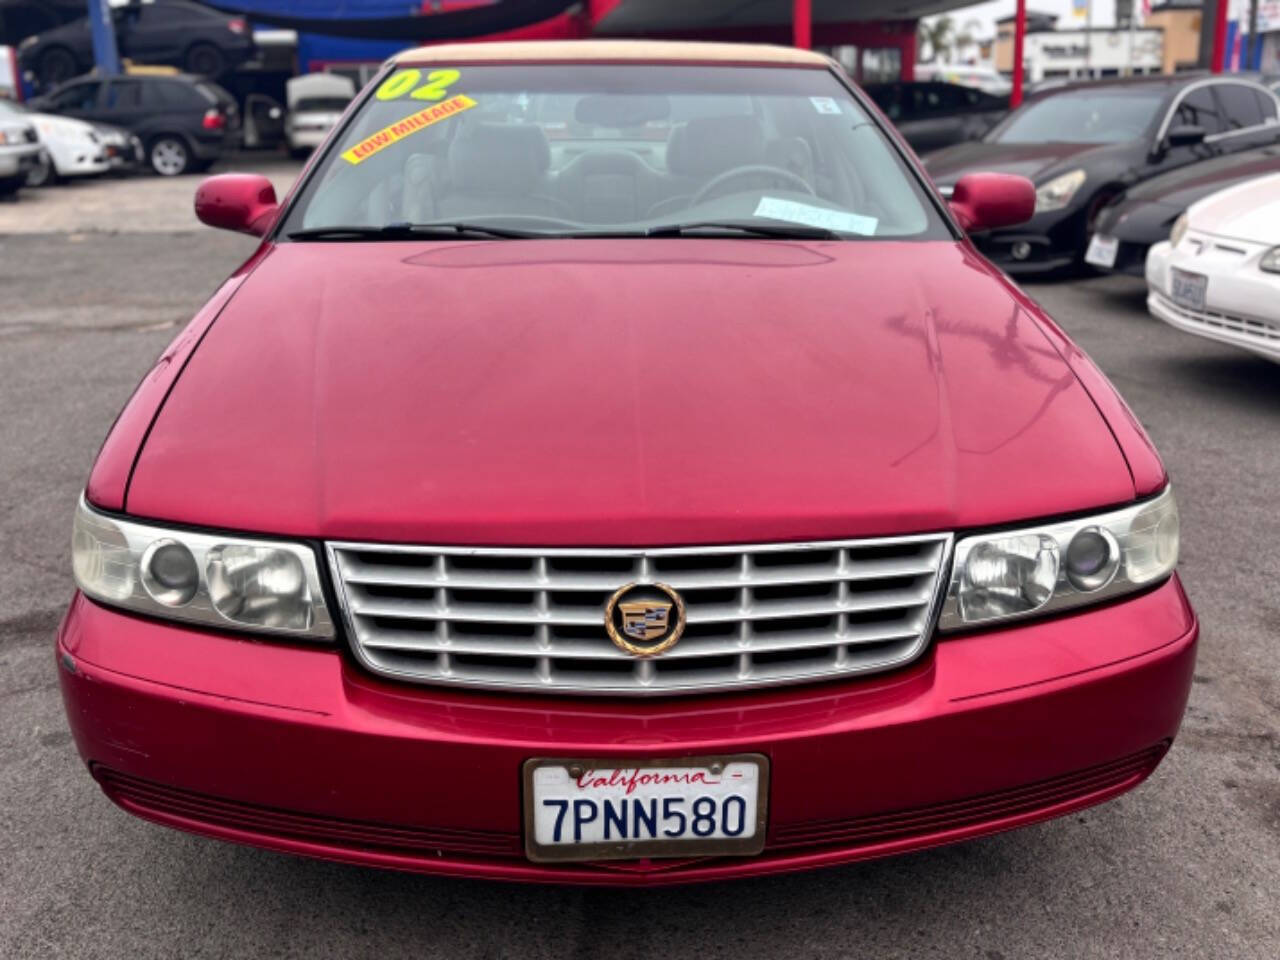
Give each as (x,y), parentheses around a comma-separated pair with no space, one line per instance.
(1049,53)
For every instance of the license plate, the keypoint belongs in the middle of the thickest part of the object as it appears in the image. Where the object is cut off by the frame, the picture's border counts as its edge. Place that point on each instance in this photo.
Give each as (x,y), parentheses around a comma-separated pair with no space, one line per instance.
(1102,251)
(1189,289)
(603,810)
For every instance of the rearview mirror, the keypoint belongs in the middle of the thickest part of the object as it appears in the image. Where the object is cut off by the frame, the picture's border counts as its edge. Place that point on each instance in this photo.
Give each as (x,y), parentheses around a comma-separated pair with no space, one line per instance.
(243,202)
(985,201)
(621,111)
(1185,135)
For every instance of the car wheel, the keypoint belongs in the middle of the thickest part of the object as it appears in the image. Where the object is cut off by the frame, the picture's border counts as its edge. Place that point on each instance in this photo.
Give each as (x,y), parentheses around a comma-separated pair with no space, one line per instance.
(206,60)
(57,64)
(169,156)
(45,174)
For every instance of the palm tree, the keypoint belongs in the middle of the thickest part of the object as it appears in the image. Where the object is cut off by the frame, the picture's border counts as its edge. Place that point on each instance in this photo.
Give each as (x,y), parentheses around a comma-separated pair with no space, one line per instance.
(936,37)
(966,37)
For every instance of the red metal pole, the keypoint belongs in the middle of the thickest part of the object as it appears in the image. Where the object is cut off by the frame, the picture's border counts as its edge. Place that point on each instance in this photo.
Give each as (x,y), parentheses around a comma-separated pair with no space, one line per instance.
(1220,36)
(1019,35)
(802,23)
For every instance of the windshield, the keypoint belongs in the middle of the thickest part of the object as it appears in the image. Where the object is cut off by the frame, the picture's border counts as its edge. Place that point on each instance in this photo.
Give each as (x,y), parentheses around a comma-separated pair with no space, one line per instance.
(563,150)
(1082,116)
(321,105)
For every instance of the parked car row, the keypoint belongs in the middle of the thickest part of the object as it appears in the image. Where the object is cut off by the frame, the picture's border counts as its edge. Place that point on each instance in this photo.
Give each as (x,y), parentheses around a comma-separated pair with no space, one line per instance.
(1088,146)
(182,123)
(73,148)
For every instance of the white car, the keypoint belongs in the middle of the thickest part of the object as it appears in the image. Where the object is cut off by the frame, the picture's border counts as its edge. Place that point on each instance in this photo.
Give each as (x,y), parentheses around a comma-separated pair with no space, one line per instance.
(71,148)
(1218,274)
(316,101)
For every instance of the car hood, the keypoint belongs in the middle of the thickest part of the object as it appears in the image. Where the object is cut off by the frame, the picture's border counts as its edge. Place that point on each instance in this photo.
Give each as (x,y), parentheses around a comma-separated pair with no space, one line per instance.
(53,125)
(1249,211)
(1035,161)
(643,392)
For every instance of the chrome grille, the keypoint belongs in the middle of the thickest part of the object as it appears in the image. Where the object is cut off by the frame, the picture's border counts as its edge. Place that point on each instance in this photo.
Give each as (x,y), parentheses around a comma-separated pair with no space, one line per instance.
(1239,328)
(534,619)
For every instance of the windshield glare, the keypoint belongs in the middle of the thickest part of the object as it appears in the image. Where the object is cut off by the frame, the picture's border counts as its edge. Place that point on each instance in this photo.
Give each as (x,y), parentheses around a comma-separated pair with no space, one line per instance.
(1083,116)
(572,149)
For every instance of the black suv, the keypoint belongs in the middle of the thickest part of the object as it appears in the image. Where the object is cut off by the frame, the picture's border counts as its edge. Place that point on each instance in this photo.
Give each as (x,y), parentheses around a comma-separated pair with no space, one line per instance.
(171,32)
(931,115)
(184,123)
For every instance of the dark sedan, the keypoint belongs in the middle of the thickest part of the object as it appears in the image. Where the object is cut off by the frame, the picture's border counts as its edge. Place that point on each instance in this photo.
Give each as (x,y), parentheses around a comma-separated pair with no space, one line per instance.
(183,123)
(1084,145)
(1128,227)
(172,32)
(931,115)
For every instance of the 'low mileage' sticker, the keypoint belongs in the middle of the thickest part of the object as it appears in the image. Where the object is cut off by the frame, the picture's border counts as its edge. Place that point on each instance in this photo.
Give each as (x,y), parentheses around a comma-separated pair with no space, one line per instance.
(397,131)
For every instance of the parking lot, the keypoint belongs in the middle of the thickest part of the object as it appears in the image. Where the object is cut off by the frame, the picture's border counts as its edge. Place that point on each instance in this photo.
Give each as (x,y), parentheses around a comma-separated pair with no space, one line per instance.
(98,277)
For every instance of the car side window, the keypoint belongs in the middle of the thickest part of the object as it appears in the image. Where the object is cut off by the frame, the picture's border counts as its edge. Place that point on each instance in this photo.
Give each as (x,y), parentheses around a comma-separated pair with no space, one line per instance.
(1239,105)
(81,96)
(124,95)
(1267,104)
(178,95)
(1199,109)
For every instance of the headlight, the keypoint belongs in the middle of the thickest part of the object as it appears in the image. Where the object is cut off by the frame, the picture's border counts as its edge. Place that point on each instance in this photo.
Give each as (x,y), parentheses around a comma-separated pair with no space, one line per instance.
(219,581)
(1057,193)
(1179,230)
(1270,261)
(1056,566)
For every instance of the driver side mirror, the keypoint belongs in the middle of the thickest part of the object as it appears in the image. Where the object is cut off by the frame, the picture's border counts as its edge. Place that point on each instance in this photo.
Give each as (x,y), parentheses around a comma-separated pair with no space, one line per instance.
(1185,135)
(243,202)
(985,201)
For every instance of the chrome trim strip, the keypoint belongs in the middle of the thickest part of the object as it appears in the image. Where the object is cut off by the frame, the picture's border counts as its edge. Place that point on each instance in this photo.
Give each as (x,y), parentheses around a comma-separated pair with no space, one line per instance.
(1208,82)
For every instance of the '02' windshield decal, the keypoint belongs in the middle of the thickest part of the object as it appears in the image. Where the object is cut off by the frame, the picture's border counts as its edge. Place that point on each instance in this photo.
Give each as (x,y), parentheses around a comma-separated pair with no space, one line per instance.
(411,124)
(404,83)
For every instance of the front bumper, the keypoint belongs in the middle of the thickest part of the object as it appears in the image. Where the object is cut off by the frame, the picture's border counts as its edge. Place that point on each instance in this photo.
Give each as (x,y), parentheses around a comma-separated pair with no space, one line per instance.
(84,163)
(1047,243)
(19,161)
(1242,302)
(296,749)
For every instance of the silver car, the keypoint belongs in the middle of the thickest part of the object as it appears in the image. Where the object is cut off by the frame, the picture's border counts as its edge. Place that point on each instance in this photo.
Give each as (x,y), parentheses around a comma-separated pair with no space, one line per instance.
(19,153)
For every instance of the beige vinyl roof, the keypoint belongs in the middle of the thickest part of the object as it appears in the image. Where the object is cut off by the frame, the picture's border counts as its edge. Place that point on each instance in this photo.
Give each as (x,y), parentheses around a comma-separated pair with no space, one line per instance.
(587,51)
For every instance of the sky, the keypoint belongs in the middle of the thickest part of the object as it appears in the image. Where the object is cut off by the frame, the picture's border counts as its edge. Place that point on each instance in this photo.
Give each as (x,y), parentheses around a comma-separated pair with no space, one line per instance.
(986,13)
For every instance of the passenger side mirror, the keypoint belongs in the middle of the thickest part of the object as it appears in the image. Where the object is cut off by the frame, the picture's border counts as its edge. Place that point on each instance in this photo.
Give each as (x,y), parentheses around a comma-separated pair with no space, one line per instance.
(1186,135)
(243,202)
(985,201)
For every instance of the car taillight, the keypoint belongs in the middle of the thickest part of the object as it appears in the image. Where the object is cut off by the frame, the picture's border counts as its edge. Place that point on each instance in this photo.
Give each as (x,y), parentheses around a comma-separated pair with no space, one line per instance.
(237,25)
(213,120)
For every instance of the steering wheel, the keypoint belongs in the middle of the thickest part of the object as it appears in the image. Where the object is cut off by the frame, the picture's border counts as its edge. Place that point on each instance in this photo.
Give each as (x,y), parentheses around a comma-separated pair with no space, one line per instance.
(751,170)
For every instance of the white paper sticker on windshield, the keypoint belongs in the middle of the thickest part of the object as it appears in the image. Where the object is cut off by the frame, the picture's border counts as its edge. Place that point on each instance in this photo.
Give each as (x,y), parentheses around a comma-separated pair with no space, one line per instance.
(825,104)
(811,216)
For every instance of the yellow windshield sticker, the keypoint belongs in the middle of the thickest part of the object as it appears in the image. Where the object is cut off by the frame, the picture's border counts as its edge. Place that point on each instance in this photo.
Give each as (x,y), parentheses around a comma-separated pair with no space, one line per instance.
(397,131)
(404,83)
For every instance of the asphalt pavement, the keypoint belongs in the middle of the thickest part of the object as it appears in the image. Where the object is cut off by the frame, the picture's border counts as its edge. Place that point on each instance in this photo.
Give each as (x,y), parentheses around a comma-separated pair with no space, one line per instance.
(97,278)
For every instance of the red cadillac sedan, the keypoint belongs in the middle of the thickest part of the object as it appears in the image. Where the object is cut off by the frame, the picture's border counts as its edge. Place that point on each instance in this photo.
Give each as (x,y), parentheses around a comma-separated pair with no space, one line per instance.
(616,465)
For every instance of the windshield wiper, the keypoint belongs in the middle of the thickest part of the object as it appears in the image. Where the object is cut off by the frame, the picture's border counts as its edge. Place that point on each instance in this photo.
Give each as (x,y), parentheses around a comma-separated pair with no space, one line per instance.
(409,231)
(787,231)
